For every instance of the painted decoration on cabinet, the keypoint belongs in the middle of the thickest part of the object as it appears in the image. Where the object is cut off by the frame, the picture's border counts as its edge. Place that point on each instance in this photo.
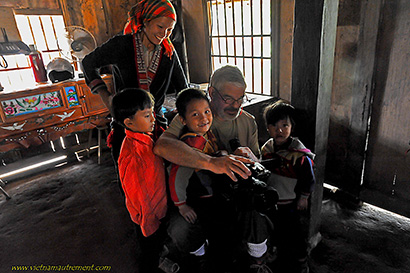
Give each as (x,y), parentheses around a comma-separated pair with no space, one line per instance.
(72,96)
(65,115)
(30,104)
(14,126)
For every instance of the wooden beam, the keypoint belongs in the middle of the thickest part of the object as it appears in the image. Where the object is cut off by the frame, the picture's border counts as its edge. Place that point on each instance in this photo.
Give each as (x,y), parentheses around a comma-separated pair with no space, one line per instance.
(327,49)
(286,28)
(312,75)
(44,11)
(197,40)
(31,4)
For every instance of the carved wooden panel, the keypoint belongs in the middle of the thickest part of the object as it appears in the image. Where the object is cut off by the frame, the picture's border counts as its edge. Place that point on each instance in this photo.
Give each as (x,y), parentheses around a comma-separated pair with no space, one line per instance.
(31,117)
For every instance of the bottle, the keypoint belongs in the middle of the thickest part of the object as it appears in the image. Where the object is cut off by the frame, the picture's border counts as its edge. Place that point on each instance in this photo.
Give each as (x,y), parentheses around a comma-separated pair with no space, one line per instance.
(37,64)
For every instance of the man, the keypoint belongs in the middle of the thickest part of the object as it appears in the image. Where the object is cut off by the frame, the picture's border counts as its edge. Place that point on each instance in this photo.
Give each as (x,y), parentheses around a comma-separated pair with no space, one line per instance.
(227,93)
(236,132)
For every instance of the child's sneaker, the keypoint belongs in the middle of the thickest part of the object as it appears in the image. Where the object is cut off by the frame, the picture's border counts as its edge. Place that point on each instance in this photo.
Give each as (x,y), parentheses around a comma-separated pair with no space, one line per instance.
(165,264)
(168,265)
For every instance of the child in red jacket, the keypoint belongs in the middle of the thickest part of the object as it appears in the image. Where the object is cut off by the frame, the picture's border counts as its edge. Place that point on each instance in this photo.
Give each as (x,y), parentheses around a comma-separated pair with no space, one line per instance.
(142,173)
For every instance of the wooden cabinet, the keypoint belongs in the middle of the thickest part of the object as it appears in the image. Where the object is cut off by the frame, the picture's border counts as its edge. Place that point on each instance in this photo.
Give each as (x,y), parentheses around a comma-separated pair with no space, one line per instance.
(32,117)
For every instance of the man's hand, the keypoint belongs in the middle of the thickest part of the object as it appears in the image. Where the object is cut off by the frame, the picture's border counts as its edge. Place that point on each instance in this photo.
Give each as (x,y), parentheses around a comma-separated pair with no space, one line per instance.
(188,213)
(178,152)
(230,164)
(246,152)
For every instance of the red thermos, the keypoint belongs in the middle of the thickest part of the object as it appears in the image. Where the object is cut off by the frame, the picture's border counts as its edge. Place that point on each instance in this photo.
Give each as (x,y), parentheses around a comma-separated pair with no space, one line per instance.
(37,65)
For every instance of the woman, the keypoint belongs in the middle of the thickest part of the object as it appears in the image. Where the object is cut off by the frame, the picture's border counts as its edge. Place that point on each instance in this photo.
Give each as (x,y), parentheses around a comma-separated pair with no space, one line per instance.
(143,57)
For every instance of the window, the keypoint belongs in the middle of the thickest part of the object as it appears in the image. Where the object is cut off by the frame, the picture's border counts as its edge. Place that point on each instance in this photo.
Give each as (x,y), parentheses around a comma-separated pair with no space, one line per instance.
(44,31)
(242,33)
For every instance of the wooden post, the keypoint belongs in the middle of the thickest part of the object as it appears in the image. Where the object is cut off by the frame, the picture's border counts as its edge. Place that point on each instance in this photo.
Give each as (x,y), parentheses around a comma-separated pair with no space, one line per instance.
(197,43)
(327,49)
(312,75)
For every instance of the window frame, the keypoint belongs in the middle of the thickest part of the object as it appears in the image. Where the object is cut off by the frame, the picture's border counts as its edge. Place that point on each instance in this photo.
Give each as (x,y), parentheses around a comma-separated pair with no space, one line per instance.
(24,66)
(274,45)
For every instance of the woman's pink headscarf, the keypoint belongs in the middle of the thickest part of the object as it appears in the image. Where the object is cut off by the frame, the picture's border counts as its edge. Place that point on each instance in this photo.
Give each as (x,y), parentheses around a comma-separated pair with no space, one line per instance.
(147,10)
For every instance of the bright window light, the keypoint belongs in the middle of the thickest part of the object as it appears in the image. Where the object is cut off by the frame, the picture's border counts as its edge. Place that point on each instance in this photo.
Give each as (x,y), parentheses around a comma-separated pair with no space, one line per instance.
(241,35)
(62,143)
(48,34)
(31,167)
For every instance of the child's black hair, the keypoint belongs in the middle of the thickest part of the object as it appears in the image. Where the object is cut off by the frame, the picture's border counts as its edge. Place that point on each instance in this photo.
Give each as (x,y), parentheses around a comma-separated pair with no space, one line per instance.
(186,96)
(279,110)
(128,101)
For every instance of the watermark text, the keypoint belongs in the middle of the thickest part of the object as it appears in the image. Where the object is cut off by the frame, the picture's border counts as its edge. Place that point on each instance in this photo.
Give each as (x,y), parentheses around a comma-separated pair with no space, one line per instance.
(60,268)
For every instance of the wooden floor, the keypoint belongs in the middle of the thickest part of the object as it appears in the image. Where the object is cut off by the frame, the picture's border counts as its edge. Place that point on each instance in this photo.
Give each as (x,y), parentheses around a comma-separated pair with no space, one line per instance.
(74,216)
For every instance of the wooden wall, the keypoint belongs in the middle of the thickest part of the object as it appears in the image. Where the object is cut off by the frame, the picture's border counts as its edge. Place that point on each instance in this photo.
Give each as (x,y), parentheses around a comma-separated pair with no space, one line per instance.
(355,53)
(31,4)
(353,72)
(104,18)
(197,40)
(369,125)
(387,168)
(286,40)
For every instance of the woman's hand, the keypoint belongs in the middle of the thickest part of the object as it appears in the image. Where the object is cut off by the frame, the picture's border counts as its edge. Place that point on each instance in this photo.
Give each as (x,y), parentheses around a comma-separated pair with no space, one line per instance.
(188,213)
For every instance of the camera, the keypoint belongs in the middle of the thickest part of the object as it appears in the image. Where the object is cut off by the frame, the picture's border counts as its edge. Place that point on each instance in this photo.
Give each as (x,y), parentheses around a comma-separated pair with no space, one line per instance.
(253,192)
(259,171)
(248,194)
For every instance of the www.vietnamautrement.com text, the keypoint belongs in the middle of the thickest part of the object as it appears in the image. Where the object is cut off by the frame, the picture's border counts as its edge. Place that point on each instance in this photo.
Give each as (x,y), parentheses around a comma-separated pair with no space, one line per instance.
(60,268)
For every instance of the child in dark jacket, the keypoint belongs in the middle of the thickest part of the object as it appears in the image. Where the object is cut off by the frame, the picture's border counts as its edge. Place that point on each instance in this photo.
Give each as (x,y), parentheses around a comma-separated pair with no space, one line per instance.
(291,164)
(142,173)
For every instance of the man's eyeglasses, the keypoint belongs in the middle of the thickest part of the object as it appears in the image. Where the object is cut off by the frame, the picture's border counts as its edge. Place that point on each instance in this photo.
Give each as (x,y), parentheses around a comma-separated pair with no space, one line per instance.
(230,100)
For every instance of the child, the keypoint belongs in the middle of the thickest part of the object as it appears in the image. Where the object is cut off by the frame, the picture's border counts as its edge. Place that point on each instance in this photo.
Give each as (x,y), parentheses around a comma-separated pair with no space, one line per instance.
(142,173)
(196,116)
(195,113)
(292,176)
